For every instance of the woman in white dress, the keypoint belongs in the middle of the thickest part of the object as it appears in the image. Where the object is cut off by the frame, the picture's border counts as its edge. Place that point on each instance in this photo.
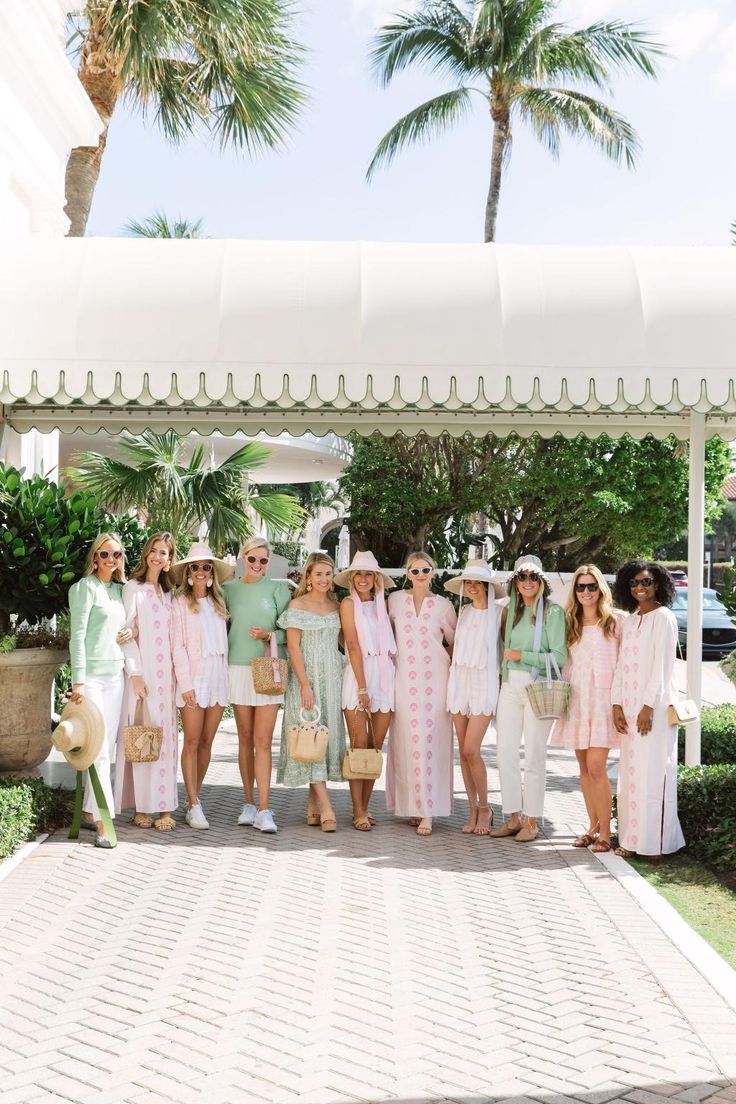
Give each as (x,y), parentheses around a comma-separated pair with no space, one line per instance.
(643,688)
(368,675)
(199,649)
(472,689)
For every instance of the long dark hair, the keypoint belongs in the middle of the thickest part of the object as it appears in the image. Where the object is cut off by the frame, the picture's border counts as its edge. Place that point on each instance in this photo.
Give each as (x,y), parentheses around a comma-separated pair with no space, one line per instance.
(141,569)
(664,591)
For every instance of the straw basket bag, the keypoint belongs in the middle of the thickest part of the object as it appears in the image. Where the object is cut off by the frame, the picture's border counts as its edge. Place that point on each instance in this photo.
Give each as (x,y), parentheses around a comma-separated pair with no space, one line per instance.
(549,696)
(307,741)
(270,672)
(361,764)
(142,741)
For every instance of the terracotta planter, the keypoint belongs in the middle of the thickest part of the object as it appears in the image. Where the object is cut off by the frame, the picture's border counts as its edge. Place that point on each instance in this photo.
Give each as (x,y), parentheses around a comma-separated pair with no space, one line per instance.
(26,677)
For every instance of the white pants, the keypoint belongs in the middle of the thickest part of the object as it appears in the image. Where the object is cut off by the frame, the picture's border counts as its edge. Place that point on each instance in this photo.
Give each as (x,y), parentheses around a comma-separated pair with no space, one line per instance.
(515,717)
(107,694)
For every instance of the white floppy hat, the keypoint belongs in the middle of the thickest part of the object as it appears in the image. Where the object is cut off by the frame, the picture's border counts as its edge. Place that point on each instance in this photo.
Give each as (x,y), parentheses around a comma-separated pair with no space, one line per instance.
(529,563)
(475,571)
(201,551)
(80,734)
(363,561)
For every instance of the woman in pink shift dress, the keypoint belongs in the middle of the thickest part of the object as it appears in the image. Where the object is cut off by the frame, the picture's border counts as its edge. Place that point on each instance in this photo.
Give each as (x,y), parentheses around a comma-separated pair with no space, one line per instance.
(419,768)
(593,633)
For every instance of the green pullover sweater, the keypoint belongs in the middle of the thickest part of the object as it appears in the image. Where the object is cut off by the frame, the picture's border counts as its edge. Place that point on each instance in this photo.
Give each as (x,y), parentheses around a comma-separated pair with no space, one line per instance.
(97,615)
(554,637)
(253,605)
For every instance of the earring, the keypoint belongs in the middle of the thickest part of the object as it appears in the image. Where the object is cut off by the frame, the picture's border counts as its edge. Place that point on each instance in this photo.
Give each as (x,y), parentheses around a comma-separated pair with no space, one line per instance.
(166,567)
(190,580)
(309,587)
(209,582)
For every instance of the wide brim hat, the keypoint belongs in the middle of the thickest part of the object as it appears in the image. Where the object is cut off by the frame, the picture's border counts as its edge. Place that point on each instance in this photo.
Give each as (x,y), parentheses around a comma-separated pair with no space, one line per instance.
(363,561)
(80,734)
(196,554)
(475,571)
(529,563)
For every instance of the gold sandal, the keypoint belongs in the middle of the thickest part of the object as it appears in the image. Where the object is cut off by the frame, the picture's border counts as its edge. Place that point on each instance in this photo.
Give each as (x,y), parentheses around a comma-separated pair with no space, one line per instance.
(165,823)
(328,823)
(143,820)
(312,816)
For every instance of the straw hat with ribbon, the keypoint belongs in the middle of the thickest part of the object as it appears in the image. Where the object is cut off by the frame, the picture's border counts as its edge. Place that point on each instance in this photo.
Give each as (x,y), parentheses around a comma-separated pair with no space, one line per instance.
(363,561)
(198,553)
(475,571)
(80,734)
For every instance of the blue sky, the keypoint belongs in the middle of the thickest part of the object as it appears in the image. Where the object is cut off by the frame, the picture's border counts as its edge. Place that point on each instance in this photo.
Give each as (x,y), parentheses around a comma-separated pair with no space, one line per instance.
(683,192)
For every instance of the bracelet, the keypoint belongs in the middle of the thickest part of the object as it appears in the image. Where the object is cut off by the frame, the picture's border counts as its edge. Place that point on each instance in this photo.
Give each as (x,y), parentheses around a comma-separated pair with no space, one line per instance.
(362,689)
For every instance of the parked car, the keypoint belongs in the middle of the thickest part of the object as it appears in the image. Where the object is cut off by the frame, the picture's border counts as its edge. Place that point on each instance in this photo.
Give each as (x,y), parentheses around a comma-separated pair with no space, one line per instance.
(719,630)
(679,577)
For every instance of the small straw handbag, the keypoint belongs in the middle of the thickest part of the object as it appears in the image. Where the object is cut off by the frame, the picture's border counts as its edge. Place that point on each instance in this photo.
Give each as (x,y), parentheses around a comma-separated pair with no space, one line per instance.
(142,741)
(269,671)
(549,696)
(361,764)
(681,712)
(307,741)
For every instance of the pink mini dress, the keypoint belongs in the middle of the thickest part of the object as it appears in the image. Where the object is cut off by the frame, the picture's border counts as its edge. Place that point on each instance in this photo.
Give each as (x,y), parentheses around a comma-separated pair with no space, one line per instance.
(588,721)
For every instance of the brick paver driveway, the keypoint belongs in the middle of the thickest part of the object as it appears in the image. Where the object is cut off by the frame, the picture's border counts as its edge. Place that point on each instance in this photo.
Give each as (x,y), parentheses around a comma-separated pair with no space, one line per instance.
(225,966)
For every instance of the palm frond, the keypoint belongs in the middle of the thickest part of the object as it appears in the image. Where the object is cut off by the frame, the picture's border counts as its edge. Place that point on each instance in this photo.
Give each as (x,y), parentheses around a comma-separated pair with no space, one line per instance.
(279,511)
(159,225)
(501,27)
(592,53)
(550,110)
(420,125)
(116,485)
(436,36)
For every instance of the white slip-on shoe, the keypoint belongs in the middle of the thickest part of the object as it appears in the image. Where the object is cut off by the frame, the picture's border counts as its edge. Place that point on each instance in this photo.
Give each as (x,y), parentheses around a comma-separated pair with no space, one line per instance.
(264,821)
(195,817)
(248,815)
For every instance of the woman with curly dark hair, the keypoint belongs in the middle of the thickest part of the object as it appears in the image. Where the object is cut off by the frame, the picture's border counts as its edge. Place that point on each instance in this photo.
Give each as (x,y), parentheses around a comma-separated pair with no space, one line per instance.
(643,688)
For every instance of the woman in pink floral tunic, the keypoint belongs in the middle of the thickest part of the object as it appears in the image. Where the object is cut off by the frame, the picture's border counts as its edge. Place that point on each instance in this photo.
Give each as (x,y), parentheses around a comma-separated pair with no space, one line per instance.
(419,769)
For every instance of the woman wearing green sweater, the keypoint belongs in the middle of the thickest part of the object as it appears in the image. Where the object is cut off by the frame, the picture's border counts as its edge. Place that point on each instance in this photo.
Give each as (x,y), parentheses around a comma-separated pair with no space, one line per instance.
(525,644)
(255,603)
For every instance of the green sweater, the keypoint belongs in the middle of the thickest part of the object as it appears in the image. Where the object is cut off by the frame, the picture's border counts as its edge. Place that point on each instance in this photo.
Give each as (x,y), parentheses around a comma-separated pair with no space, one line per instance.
(554,640)
(253,605)
(97,616)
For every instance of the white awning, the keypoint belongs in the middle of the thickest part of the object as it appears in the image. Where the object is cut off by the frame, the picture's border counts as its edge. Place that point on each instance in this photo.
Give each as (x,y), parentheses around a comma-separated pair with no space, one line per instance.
(99,333)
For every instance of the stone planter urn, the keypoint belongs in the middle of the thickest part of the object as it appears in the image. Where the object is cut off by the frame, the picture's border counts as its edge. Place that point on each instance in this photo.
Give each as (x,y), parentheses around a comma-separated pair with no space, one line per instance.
(26,678)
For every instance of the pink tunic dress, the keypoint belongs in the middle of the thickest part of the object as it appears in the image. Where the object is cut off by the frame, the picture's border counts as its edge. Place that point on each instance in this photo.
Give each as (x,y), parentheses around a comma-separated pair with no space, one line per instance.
(419,779)
(589,719)
(149,787)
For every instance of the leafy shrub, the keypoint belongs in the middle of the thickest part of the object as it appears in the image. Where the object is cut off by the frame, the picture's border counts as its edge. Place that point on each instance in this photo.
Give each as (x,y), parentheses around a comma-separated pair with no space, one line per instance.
(718,735)
(706,800)
(292,551)
(28,806)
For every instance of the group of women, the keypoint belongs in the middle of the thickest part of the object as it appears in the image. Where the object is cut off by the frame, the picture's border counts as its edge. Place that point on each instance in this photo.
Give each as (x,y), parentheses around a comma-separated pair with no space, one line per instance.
(184,633)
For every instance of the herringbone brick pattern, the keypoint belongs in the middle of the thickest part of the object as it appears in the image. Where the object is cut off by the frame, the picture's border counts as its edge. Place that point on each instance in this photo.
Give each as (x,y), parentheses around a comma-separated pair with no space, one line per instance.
(227,967)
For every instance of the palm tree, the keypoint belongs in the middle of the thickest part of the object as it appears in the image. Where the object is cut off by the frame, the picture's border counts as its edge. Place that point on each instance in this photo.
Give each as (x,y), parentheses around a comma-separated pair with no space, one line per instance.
(225,65)
(159,225)
(507,52)
(154,478)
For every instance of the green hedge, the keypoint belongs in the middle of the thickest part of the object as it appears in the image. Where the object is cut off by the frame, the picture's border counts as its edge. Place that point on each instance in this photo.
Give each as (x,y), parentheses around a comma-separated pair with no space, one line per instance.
(718,735)
(706,801)
(28,806)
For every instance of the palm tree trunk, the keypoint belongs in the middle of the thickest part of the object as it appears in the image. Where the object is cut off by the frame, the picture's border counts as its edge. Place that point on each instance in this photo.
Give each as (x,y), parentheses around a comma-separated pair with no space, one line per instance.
(99,72)
(501,139)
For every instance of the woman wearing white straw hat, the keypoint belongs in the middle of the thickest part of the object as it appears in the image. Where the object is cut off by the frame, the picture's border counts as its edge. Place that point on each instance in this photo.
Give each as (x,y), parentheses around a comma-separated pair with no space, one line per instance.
(98,631)
(368,675)
(199,649)
(532,627)
(472,689)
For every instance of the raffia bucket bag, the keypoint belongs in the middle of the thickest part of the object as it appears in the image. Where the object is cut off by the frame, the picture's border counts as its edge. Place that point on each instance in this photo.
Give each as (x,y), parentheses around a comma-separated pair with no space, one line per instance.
(361,764)
(269,671)
(307,741)
(549,696)
(142,741)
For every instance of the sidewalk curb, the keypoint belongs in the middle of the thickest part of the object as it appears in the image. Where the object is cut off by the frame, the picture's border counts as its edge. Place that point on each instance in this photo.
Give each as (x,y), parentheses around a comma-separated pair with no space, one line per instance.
(8,866)
(716,971)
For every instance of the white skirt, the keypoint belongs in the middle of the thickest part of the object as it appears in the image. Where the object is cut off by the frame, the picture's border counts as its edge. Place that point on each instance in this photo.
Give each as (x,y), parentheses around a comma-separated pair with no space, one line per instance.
(470,692)
(382,701)
(242,691)
(210,685)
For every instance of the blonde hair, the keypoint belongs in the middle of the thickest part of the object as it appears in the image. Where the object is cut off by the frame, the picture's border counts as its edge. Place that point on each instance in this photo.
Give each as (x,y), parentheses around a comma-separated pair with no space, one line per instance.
(574,609)
(214,593)
(118,575)
(141,569)
(254,542)
(312,559)
(413,557)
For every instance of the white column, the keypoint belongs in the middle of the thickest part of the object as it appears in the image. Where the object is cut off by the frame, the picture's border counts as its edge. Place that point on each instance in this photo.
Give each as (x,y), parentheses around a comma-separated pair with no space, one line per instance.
(695,544)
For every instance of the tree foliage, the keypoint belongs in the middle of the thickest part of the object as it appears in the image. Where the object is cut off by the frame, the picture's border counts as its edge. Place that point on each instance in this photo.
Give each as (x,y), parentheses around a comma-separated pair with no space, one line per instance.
(568,501)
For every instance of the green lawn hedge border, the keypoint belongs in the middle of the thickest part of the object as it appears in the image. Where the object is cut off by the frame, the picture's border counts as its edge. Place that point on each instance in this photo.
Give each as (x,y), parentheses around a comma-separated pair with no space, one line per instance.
(718,735)
(29,806)
(706,802)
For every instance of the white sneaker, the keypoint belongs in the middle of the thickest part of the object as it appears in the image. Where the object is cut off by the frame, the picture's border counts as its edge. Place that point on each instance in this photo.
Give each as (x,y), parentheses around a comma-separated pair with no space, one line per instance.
(264,821)
(195,817)
(248,815)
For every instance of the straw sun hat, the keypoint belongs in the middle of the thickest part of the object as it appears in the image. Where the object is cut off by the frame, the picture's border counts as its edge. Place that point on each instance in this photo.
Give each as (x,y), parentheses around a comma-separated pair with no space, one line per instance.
(80,734)
(475,571)
(197,553)
(363,561)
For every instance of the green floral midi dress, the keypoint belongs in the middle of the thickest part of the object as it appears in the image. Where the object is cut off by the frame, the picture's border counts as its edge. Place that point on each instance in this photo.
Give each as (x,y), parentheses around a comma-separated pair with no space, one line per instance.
(323,664)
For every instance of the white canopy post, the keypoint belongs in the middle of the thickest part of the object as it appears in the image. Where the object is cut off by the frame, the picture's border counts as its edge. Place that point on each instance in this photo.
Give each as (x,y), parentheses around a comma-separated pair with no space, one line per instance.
(695,544)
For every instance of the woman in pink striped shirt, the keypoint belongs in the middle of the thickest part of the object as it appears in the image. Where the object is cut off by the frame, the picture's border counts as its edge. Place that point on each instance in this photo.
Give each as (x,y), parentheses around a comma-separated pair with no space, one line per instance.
(592,642)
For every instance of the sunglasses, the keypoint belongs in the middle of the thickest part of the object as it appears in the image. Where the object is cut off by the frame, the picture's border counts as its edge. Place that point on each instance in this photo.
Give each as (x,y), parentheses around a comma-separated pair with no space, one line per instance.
(581,587)
(256,559)
(528,577)
(420,570)
(201,567)
(104,554)
(645,582)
